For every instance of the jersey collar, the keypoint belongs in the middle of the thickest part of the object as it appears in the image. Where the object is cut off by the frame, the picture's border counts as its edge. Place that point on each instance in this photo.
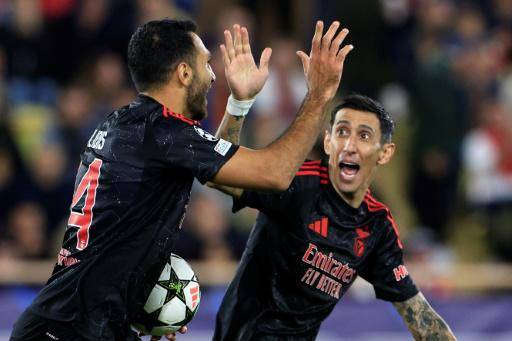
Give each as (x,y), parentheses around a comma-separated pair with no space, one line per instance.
(166,112)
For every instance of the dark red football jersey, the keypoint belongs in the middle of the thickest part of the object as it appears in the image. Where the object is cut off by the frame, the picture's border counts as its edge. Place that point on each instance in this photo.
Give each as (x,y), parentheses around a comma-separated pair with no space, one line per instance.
(131,193)
(304,252)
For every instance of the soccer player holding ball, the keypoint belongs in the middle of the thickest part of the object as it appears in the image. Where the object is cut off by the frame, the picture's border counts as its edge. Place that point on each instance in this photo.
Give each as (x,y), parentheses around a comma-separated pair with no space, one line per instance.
(136,172)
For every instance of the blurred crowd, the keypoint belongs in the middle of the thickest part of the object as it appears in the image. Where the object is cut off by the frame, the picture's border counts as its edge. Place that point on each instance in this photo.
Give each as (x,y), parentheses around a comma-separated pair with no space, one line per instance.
(443,68)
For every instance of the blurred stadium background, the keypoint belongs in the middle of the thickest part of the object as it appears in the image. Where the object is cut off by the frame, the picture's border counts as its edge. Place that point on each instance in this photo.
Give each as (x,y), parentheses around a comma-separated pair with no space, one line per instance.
(443,68)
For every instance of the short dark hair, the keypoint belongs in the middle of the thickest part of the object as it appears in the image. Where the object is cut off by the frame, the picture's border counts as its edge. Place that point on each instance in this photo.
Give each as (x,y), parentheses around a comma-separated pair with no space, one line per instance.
(156,48)
(364,103)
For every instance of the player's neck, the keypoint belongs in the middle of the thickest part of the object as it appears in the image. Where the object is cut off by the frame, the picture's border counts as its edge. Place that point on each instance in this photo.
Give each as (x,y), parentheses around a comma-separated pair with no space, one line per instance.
(354,199)
(172,98)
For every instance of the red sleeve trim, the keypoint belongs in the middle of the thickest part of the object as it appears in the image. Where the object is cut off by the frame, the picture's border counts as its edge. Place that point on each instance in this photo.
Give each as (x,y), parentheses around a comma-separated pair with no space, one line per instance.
(167,113)
(310,172)
(314,167)
(314,162)
(374,205)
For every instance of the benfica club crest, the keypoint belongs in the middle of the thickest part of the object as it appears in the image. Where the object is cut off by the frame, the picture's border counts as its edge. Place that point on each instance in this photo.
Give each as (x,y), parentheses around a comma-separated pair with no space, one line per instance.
(359,243)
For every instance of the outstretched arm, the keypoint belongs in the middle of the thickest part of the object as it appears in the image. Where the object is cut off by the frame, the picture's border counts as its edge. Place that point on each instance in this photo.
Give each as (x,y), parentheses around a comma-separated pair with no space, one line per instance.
(245,79)
(229,130)
(273,167)
(423,322)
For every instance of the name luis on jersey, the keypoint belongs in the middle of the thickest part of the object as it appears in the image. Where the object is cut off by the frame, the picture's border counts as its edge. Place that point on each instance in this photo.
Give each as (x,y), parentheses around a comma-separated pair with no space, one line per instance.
(334,272)
(97,140)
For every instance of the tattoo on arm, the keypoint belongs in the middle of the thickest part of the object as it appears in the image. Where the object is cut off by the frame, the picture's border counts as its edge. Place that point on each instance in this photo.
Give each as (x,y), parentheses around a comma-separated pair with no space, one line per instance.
(423,322)
(230,128)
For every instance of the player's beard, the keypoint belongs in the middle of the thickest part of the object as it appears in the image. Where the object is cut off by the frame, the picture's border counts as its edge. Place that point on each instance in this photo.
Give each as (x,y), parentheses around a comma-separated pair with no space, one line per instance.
(196,99)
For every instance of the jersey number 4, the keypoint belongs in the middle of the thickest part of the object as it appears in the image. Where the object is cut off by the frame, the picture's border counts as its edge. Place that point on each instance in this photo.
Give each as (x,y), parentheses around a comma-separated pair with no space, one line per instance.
(83,218)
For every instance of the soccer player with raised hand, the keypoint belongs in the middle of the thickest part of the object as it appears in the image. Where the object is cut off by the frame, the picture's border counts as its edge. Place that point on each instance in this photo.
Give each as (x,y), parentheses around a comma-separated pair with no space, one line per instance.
(323,69)
(136,172)
(311,241)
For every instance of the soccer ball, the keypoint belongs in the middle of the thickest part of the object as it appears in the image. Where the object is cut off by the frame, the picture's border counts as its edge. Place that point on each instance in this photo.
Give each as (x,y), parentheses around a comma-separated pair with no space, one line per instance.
(173,301)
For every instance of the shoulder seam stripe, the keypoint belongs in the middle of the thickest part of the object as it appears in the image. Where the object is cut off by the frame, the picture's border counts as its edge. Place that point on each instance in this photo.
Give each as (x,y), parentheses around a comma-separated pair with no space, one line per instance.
(315,173)
(378,206)
(315,167)
(395,228)
(166,112)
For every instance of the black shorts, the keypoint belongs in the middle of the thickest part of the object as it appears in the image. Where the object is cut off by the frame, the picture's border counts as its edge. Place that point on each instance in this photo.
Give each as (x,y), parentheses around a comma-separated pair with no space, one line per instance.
(30,326)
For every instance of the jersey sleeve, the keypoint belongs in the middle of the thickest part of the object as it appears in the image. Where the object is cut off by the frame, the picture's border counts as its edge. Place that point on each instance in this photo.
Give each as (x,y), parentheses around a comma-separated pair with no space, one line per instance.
(191,148)
(386,270)
(270,203)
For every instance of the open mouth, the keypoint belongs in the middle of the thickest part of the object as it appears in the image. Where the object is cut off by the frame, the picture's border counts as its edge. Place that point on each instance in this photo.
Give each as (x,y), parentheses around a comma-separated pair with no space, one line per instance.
(349,169)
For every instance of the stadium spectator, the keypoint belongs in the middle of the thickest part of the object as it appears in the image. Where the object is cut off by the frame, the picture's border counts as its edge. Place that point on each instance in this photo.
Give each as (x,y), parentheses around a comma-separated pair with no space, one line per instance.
(51,186)
(74,123)
(488,162)
(148,10)
(435,153)
(207,233)
(12,174)
(26,233)
(281,96)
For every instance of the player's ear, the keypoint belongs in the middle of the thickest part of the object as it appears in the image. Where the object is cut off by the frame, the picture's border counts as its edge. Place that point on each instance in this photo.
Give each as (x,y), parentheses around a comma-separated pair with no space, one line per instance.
(386,153)
(327,142)
(185,74)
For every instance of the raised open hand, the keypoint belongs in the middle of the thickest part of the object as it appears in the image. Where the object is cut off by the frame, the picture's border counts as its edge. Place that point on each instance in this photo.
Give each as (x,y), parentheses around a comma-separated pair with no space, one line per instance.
(244,78)
(324,65)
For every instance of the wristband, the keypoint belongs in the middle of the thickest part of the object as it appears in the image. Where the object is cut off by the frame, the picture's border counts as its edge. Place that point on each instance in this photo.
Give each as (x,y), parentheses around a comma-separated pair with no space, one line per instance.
(238,108)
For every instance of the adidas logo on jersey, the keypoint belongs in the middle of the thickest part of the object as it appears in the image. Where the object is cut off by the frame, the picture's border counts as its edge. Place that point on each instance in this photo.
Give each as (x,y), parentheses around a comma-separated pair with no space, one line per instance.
(320,226)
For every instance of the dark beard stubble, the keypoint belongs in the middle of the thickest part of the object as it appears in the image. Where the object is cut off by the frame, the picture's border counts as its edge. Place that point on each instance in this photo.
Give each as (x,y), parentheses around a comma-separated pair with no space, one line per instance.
(196,100)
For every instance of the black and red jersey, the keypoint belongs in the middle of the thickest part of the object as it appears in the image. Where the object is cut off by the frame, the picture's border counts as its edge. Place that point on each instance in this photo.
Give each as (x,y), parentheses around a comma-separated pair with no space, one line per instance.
(131,194)
(304,252)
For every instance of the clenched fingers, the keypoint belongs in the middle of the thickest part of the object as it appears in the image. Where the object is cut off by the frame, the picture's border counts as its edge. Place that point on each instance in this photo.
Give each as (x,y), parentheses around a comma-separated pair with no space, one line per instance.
(172,336)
